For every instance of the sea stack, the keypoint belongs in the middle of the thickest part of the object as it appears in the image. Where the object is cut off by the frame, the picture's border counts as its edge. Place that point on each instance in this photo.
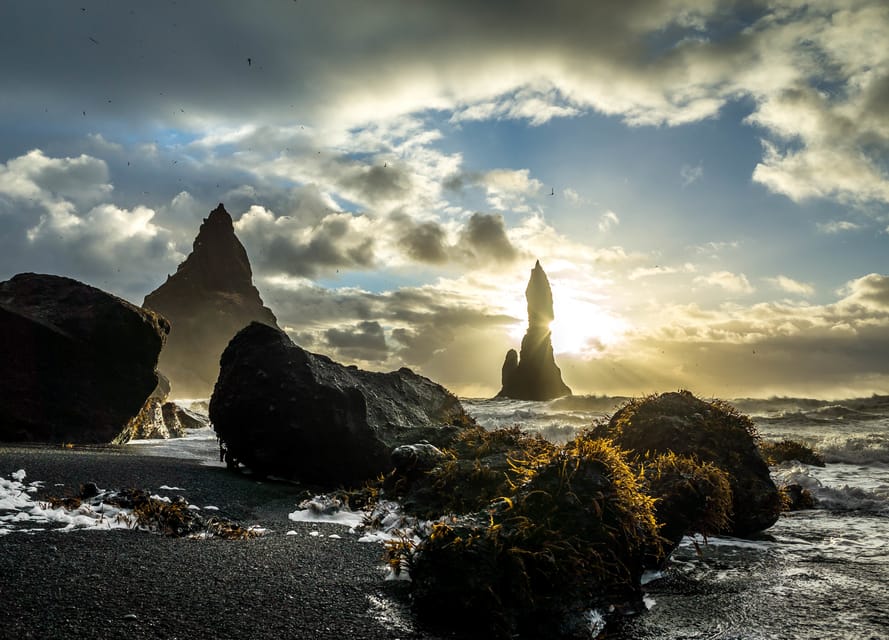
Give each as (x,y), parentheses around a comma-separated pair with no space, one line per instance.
(207,301)
(533,374)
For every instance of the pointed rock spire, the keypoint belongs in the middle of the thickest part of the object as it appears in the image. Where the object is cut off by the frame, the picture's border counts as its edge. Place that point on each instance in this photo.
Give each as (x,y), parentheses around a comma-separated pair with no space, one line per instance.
(540,298)
(533,373)
(207,301)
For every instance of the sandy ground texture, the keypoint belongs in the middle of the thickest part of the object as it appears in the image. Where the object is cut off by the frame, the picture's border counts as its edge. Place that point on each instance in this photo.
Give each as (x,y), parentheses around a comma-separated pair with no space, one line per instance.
(134,584)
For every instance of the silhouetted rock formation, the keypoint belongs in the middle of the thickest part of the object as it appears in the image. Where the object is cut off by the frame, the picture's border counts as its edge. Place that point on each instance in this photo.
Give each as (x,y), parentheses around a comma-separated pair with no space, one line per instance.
(207,301)
(283,411)
(77,363)
(533,374)
(710,432)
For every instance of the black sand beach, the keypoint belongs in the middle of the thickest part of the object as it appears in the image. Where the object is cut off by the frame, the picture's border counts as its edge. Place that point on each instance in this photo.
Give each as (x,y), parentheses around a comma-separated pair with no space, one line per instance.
(134,584)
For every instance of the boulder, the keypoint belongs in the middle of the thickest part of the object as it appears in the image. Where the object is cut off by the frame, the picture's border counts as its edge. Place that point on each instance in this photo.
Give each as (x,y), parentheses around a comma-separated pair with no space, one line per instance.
(533,374)
(283,411)
(78,363)
(710,432)
(159,420)
(207,301)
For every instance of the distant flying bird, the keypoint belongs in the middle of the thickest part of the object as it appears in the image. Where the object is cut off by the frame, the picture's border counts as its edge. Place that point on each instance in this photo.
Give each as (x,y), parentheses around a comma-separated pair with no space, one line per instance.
(249,62)
(552,192)
(93,40)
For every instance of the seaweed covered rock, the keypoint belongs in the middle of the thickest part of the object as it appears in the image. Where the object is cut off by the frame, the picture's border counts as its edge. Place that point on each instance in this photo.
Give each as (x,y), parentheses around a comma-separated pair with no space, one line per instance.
(571,538)
(691,497)
(478,467)
(283,411)
(787,450)
(78,363)
(207,301)
(710,432)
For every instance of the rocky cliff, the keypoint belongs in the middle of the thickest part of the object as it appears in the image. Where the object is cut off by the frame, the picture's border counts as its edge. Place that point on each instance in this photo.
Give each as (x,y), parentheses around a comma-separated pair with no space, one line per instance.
(207,301)
(533,374)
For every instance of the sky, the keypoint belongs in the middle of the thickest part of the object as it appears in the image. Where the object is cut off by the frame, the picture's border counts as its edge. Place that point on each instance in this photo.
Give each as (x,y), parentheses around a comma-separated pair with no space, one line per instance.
(705,183)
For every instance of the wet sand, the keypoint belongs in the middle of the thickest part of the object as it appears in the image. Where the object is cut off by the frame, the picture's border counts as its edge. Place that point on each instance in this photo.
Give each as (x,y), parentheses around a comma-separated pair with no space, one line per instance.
(134,584)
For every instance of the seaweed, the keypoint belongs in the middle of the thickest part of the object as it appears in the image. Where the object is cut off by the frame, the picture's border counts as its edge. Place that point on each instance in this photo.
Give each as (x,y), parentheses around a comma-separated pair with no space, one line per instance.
(785,450)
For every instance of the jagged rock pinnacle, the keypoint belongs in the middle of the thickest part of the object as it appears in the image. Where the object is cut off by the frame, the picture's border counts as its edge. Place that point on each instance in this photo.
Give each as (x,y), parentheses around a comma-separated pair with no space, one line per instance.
(207,301)
(540,298)
(533,373)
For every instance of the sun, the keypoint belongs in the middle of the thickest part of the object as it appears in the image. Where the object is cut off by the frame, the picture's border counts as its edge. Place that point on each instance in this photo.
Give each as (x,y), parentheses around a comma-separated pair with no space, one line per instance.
(583,327)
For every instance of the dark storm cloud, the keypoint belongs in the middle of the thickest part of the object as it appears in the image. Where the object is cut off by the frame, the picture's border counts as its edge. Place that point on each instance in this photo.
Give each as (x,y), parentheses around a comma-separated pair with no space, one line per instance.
(376,183)
(425,242)
(364,341)
(171,71)
(485,236)
(282,244)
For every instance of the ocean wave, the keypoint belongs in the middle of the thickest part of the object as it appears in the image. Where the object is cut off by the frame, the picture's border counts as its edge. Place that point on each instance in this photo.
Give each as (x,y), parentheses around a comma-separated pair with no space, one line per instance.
(855,449)
(843,497)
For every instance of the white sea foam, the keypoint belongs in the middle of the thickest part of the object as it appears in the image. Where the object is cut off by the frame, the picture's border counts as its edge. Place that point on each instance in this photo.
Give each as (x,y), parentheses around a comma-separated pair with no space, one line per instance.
(839,487)
(20,512)
(855,449)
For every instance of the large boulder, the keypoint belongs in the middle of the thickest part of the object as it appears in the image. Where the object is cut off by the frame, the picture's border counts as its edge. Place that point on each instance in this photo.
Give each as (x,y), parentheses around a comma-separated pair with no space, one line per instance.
(283,411)
(207,301)
(710,432)
(78,363)
(533,373)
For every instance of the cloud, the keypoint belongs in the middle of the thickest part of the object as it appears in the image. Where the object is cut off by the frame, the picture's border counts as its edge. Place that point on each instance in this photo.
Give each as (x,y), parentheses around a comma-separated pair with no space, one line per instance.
(485,237)
(425,242)
(837,226)
(713,249)
(659,270)
(284,244)
(364,341)
(730,282)
(574,198)
(57,219)
(791,286)
(814,73)
(607,220)
(690,174)
(53,181)
(870,292)
(536,106)
(508,190)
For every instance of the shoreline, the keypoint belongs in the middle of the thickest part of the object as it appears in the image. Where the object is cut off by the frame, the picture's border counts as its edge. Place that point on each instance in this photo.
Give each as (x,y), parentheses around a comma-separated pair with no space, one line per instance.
(134,584)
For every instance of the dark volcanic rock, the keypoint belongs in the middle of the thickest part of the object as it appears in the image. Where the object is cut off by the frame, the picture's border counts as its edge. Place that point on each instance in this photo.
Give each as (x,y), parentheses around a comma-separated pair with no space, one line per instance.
(707,431)
(207,301)
(283,411)
(77,362)
(533,374)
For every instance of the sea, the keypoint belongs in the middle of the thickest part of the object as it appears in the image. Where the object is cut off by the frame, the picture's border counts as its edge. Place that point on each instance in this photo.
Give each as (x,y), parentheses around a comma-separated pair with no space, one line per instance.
(816,574)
